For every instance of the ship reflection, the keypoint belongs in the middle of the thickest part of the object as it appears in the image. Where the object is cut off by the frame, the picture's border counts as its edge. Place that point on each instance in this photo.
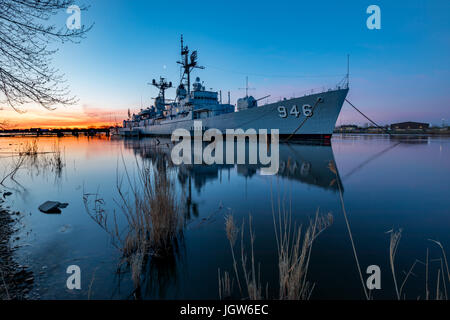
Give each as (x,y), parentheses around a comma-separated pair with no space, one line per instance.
(304,163)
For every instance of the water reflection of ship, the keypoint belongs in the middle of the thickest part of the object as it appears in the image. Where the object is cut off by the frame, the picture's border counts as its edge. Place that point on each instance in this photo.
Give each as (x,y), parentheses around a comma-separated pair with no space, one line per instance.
(305,163)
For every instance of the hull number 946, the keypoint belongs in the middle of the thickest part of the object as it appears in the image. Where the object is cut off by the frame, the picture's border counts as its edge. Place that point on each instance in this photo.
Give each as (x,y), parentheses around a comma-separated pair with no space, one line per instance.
(294,111)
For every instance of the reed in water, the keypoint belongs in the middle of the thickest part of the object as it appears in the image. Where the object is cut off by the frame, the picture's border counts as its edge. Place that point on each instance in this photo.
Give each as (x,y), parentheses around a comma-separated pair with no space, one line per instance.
(294,249)
(151,209)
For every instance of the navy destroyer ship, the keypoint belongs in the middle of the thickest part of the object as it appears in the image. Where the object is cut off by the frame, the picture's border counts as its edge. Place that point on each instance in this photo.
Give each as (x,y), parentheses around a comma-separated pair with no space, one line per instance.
(311,116)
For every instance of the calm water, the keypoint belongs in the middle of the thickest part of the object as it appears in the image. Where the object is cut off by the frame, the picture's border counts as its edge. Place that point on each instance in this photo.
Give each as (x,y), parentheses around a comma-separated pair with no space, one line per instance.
(387,183)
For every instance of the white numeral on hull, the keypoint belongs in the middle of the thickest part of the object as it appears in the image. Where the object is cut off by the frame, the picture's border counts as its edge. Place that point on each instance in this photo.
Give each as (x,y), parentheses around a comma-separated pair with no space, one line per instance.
(306,110)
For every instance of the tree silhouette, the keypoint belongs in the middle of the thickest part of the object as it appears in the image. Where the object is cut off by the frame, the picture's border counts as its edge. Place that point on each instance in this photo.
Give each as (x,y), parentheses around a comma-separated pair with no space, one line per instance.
(26,34)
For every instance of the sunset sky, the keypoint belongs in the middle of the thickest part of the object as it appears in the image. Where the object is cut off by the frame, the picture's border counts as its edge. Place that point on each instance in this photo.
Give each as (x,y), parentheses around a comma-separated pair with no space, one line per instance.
(398,73)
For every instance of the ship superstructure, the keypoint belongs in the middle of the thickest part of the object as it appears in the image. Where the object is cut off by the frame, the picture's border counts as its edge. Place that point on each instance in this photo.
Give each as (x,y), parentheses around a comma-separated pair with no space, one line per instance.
(310,116)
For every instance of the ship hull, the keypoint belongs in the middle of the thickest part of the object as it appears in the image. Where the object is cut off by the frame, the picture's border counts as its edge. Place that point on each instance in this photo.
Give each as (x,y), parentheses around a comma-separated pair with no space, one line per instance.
(290,121)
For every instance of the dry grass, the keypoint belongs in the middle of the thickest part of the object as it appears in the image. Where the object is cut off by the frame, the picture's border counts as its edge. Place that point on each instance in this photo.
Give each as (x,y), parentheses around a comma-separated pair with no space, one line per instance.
(294,254)
(18,160)
(29,157)
(393,245)
(225,285)
(333,169)
(5,287)
(443,276)
(151,209)
(16,164)
(252,279)
(30,149)
(89,294)
(232,234)
(395,237)
(444,256)
(56,159)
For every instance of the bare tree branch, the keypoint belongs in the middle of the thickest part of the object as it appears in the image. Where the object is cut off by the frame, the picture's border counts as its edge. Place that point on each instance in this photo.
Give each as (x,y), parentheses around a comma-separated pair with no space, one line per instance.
(4,125)
(26,34)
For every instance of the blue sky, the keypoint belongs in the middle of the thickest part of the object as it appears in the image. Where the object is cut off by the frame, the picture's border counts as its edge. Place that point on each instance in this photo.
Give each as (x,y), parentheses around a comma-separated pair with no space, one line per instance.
(400,72)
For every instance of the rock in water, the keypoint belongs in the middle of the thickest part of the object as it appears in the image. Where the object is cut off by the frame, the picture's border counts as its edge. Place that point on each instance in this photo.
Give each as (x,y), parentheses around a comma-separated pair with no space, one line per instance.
(52,207)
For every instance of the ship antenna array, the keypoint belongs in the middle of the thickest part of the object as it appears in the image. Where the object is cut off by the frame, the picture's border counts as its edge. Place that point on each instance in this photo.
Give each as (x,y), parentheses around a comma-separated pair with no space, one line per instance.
(246,87)
(188,63)
(162,85)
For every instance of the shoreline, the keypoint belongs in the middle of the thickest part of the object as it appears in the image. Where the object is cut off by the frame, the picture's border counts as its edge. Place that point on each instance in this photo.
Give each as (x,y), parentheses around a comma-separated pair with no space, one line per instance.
(16,281)
(395,133)
(68,133)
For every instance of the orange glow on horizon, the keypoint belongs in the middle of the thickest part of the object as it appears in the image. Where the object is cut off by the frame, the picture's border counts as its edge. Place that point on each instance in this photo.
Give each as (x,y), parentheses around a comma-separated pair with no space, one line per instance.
(64,118)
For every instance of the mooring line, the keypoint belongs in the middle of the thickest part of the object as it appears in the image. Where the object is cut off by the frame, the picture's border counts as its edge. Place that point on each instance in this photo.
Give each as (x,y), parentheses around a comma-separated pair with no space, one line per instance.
(363,164)
(304,120)
(373,122)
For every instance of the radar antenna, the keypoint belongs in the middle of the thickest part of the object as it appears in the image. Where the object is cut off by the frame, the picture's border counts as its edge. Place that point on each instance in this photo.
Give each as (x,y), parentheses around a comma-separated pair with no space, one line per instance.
(162,85)
(188,64)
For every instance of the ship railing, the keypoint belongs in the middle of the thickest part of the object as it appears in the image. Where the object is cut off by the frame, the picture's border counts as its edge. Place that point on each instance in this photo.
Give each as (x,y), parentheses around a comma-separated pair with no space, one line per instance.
(317,90)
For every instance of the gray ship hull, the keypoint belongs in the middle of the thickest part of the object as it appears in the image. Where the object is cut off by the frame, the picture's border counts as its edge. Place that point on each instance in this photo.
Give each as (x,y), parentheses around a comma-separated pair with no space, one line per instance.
(271,116)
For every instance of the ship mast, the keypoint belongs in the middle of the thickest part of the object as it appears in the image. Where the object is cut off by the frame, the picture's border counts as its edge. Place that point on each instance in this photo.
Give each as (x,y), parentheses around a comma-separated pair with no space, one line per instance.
(188,64)
(348,70)
(246,87)
(162,85)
